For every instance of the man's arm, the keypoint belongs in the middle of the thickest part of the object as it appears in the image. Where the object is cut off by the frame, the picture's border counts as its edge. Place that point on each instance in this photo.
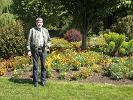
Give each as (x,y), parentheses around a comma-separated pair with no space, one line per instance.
(48,43)
(28,42)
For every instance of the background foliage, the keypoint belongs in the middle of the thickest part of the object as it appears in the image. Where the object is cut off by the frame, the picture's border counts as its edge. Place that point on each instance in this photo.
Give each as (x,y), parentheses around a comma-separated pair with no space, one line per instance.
(12,40)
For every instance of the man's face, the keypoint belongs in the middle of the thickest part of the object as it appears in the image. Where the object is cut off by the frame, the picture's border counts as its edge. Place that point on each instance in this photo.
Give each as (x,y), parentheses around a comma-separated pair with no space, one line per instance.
(39,24)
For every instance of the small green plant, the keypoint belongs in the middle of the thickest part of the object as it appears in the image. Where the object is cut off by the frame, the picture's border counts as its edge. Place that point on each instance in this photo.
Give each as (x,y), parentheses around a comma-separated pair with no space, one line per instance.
(75,75)
(85,72)
(48,73)
(118,71)
(116,59)
(62,75)
(123,50)
(56,65)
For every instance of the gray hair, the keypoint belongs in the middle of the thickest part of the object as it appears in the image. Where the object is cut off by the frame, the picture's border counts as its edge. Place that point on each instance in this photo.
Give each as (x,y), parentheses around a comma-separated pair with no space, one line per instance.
(39,19)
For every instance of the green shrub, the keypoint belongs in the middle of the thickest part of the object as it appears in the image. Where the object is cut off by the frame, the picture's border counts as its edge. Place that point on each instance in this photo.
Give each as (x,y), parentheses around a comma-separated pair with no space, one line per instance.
(115,37)
(111,46)
(124,26)
(12,40)
(61,45)
(97,43)
(129,63)
(85,72)
(126,48)
(122,51)
(130,75)
(73,35)
(6,19)
(118,71)
(124,45)
(130,47)
(113,41)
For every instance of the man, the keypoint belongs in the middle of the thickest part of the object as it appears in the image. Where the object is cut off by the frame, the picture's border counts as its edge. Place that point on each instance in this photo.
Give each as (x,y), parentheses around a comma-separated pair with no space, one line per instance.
(38,45)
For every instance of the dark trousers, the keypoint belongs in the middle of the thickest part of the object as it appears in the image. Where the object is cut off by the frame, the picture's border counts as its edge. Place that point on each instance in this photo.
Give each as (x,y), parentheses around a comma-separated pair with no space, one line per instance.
(39,53)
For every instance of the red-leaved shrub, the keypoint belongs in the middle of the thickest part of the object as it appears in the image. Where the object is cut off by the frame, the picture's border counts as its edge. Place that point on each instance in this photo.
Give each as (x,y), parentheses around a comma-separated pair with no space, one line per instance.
(73,35)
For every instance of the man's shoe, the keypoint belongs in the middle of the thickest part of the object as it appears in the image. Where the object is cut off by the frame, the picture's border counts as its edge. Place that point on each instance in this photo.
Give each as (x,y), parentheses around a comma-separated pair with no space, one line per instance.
(43,84)
(35,85)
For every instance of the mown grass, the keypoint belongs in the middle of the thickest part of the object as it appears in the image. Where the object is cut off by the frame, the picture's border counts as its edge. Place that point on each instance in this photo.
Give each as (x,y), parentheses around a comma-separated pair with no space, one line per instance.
(18,89)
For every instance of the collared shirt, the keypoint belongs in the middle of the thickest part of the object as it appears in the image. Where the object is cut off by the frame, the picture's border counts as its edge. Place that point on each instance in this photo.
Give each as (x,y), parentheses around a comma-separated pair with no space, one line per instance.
(40,40)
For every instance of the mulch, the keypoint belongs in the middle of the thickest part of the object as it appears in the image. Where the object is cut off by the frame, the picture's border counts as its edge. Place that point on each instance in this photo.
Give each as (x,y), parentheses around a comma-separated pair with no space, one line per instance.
(95,78)
(99,78)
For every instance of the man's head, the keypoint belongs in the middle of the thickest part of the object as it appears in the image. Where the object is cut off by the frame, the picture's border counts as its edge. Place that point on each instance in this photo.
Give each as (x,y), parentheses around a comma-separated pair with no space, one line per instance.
(39,22)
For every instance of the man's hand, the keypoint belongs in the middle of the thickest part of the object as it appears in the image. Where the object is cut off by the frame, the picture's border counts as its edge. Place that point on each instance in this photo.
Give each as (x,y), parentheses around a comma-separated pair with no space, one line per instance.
(47,50)
(29,53)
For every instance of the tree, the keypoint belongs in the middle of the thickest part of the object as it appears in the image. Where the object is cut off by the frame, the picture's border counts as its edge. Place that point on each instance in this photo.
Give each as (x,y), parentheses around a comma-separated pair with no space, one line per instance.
(84,12)
(121,9)
(5,6)
(87,11)
(6,17)
(29,10)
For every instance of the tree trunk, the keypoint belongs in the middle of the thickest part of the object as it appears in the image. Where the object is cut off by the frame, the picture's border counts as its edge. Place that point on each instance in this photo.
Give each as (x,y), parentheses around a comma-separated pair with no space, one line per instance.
(84,26)
(83,47)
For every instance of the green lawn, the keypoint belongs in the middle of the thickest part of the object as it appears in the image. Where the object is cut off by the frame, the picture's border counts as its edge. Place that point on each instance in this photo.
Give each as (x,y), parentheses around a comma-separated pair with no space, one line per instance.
(61,90)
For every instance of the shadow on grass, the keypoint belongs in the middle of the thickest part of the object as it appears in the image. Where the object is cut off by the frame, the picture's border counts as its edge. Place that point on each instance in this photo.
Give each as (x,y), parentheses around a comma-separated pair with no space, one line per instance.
(20,80)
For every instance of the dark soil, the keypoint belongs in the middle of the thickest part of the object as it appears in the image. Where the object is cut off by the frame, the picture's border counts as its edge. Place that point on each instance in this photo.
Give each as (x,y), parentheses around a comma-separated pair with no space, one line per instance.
(98,78)
(95,78)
